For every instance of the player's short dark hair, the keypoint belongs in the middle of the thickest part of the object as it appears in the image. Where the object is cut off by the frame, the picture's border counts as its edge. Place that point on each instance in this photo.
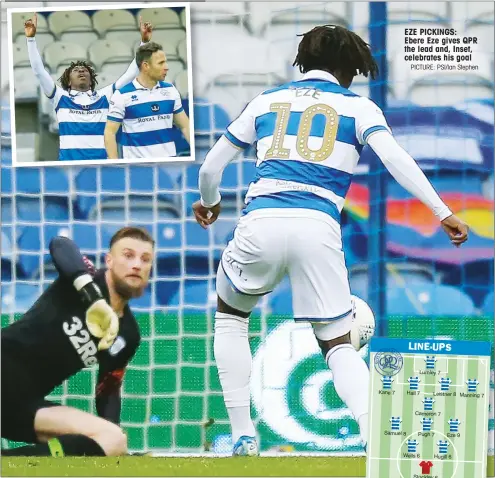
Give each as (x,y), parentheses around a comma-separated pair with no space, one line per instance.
(65,78)
(145,51)
(133,232)
(332,48)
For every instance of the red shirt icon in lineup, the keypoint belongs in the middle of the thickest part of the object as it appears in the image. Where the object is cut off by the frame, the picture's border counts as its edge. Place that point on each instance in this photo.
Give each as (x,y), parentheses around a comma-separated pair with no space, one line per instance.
(426,467)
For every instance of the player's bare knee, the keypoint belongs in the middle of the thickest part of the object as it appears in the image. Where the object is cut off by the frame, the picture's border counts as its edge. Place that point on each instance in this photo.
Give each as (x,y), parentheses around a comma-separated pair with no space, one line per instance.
(112,440)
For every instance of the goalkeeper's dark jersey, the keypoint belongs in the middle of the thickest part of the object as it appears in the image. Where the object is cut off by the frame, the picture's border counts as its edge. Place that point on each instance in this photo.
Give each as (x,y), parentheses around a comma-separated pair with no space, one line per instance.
(52,341)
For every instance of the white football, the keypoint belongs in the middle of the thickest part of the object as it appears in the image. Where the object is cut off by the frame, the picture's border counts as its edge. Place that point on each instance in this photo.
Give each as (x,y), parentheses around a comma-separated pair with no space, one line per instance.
(363,323)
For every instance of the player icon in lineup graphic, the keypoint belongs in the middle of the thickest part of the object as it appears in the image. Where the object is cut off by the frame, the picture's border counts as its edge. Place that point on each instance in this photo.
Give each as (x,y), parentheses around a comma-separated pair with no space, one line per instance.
(412,446)
(427,429)
(395,421)
(472,385)
(430,362)
(442,447)
(445,384)
(428,404)
(454,425)
(426,423)
(426,467)
(387,382)
(413,383)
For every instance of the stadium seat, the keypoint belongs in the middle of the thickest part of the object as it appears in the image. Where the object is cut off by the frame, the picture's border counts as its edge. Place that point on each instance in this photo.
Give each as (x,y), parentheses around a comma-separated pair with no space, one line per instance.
(48,181)
(182,17)
(6,180)
(105,51)
(169,243)
(428,299)
(423,11)
(106,20)
(48,208)
(234,91)
(467,12)
(195,296)
(115,70)
(488,305)
(6,253)
(85,39)
(169,48)
(18,297)
(20,54)
(30,252)
(483,30)
(19,18)
(175,67)
(42,40)
(25,89)
(160,17)
(418,299)
(143,303)
(172,37)
(217,13)
(88,237)
(182,50)
(399,274)
(291,18)
(447,89)
(65,21)
(129,37)
(114,181)
(7,211)
(5,130)
(204,113)
(165,289)
(60,53)
(182,84)
(196,243)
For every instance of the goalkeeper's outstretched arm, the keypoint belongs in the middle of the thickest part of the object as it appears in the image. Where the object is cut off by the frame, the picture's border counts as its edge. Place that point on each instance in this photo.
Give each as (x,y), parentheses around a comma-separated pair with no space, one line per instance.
(410,176)
(101,320)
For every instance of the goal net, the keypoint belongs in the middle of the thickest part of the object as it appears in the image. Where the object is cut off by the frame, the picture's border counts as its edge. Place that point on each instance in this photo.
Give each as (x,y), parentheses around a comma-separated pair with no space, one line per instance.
(172,399)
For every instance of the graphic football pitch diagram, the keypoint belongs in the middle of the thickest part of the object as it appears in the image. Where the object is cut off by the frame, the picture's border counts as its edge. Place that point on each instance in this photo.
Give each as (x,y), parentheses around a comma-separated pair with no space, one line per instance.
(429,404)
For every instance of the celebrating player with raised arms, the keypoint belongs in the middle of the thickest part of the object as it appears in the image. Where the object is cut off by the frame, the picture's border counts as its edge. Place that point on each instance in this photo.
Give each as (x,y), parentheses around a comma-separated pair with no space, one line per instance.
(309,135)
(147,108)
(81,108)
(81,320)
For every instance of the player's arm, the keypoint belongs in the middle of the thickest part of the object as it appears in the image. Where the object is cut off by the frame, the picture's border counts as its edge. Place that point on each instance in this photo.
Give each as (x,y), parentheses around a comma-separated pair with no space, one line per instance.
(110,137)
(101,320)
(374,131)
(132,71)
(115,117)
(182,121)
(47,84)
(239,135)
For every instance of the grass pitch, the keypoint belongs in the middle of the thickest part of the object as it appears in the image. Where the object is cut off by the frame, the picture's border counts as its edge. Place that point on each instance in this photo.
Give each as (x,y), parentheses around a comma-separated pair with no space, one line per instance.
(180,466)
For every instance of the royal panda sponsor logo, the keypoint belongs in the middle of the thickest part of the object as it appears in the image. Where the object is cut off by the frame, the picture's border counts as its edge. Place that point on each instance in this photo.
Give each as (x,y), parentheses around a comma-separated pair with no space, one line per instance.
(81,340)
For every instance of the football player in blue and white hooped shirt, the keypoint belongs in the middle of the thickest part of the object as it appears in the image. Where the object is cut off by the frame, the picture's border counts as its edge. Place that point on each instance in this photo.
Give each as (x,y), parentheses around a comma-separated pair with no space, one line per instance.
(309,136)
(81,108)
(146,109)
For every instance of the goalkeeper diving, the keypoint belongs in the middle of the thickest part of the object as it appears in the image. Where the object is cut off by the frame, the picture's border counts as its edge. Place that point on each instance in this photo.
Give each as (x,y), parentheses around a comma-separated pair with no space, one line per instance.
(309,135)
(81,320)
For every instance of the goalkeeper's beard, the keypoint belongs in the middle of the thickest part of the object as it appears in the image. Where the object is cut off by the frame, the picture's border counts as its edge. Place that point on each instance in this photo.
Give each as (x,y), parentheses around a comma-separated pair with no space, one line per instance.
(125,290)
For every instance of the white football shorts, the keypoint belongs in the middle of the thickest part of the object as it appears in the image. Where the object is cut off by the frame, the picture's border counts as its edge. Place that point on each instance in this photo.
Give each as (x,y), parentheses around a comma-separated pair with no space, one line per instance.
(308,249)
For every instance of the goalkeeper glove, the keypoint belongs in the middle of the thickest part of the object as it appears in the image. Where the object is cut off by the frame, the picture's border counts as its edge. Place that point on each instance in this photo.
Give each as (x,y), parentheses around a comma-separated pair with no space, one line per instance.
(101,321)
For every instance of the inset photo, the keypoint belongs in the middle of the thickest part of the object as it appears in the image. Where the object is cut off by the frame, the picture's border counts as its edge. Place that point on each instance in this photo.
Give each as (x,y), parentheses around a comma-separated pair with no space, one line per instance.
(105,86)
